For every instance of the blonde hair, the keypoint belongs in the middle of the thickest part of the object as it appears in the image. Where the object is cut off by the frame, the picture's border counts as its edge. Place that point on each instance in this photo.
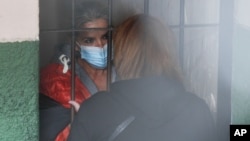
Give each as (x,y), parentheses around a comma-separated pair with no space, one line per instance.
(143,46)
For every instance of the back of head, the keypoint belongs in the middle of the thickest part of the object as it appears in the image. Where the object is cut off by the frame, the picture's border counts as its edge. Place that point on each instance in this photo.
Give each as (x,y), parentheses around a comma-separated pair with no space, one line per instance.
(90,10)
(143,46)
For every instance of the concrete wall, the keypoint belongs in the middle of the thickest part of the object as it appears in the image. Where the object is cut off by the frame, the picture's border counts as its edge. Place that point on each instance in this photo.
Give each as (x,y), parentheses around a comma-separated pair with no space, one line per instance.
(19,47)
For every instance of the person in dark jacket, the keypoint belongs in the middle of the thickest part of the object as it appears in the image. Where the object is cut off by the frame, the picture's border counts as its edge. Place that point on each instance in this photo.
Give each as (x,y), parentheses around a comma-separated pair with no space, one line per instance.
(149,102)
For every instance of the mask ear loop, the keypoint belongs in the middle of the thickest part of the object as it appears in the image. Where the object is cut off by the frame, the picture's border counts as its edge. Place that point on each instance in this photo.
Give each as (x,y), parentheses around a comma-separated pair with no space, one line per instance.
(64,60)
(77,44)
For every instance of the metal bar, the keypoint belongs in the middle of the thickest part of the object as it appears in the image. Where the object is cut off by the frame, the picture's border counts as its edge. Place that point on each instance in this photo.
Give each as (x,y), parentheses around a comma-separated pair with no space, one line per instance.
(109,57)
(146,7)
(194,25)
(111,28)
(70,30)
(73,60)
(181,34)
(225,69)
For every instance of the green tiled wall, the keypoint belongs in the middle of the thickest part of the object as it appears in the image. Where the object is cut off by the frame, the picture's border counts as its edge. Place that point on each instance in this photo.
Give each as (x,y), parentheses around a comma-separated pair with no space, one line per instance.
(19,91)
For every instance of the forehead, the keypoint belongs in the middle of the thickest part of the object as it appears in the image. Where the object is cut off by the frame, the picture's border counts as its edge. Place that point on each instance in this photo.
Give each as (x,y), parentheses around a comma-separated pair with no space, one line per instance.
(93,33)
(97,23)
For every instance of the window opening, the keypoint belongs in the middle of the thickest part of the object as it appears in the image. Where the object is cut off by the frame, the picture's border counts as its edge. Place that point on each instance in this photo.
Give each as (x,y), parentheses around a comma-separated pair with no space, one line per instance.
(226,8)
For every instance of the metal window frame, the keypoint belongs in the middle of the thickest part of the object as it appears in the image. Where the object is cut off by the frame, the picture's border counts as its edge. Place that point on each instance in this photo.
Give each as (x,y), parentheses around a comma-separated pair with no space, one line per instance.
(225,26)
(225,57)
(225,68)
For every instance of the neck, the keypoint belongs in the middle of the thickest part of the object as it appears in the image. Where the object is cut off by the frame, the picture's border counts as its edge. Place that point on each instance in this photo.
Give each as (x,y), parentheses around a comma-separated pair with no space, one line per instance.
(98,76)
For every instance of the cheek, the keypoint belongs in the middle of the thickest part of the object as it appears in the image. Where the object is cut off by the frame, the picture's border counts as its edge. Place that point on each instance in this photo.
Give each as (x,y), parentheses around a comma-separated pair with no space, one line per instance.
(104,41)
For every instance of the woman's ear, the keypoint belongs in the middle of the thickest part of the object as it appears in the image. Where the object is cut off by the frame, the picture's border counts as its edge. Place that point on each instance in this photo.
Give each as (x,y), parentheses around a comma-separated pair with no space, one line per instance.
(77,50)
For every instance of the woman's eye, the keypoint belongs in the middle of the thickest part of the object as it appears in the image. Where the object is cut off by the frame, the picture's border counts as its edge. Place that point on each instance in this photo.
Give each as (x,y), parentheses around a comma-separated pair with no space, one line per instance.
(88,41)
(105,37)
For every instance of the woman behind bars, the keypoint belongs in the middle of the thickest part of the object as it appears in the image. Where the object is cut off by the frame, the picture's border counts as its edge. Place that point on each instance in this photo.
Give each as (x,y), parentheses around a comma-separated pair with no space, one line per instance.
(90,69)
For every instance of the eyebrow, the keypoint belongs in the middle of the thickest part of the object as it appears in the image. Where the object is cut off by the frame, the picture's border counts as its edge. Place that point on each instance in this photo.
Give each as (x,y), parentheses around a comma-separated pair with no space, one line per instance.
(90,37)
(87,37)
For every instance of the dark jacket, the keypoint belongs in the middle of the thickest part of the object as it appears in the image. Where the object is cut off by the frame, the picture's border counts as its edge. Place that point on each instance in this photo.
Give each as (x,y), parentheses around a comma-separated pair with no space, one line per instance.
(146,109)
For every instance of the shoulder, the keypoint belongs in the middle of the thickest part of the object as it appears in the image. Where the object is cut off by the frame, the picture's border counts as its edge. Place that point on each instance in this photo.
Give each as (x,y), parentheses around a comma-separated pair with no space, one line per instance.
(197,113)
(195,117)
(102,105)
(194,104)
(95,113)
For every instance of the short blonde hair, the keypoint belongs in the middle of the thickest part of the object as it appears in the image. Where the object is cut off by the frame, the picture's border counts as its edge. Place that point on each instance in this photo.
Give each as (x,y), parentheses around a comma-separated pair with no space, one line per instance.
(143,46)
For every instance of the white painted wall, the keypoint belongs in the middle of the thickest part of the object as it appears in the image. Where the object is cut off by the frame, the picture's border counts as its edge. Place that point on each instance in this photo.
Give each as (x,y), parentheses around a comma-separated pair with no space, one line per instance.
(19,20)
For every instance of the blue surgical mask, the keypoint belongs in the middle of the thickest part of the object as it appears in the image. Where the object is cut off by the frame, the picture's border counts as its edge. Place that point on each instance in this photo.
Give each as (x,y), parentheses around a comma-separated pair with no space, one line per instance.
(95,56)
